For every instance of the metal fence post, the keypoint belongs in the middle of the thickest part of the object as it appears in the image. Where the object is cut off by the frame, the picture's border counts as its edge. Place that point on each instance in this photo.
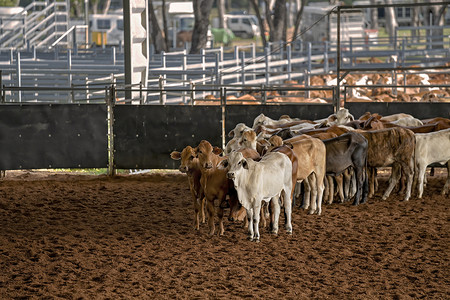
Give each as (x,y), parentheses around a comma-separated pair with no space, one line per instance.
(19,78)
(1,87)
(267,56)
(69,70)
(141,99)
(113,55)
(243,67)
(203,52)
(162,93)
(184,75)
(217,65)
(223,99)
(326,66)
(307,81)
(192,87)
(110,119)
(253,60)
(264,98)
(309,56)
(74,41)
(289,58)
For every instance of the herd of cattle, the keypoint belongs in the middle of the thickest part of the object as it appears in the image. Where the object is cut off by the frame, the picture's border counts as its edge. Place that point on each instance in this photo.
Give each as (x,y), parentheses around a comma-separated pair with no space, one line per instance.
(420,87)
(264,168)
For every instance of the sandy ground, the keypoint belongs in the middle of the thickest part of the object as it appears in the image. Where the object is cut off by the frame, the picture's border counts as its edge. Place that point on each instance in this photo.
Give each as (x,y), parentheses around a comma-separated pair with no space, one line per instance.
(94,237)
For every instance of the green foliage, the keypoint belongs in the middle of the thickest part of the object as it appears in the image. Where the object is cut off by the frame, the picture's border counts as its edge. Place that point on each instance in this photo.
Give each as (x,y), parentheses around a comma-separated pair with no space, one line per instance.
(9,2)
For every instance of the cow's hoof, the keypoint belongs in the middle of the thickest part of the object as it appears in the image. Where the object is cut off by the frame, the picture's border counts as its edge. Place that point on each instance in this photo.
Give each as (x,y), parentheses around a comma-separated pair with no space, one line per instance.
(311,211)
(256,240)
(289,232)
(274,232)
(250,238)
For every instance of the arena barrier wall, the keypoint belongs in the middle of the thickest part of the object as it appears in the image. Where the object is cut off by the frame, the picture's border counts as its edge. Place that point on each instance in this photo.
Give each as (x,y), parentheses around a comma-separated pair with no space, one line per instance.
(36,136)
(145,135)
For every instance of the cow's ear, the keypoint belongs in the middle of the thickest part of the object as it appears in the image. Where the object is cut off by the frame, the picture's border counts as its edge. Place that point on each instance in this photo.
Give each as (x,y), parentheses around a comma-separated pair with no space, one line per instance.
(332,118)
(245,164)
(231,134)
(175,155)
(217,150)
(223,164)
(351,118)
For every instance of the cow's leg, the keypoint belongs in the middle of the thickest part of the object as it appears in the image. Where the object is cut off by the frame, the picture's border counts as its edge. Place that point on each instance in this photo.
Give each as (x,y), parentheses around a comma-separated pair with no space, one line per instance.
(197,208)
(250,223)
(359,176)
(287,212)
(326,193)
(329,189)
(313,199)
(447,183)
(220,216)
(202,209)
(365,187)
(256,217)
(340,187)
(210,211)
(275,216)
(393,180)
(297,192)
(421,173)
(307,194)
(347,183)
(320,179)
(408,170)
(371,173)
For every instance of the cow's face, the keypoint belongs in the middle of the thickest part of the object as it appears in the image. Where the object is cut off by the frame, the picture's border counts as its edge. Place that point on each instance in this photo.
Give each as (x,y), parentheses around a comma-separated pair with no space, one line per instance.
(205,153)
(238,130)
(260,120)
(188,158)
(237,164)
(248,140)
(274,141)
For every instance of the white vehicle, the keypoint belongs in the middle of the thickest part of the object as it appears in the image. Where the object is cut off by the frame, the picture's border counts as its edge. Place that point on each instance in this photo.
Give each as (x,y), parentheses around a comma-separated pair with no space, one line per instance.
(182,27)
(106,29)
(244,26)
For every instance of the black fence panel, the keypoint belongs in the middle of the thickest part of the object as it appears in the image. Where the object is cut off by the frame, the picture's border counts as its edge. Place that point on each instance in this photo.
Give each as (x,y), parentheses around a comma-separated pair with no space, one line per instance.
(53,136)
(146,135)
(235,114)
(418,110)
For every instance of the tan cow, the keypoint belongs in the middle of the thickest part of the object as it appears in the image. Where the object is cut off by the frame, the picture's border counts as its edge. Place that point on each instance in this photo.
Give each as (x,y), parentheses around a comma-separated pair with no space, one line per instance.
(191,166)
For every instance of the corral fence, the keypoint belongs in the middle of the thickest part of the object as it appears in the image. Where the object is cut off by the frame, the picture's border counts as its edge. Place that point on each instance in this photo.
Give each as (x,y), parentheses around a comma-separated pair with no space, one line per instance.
(121,136)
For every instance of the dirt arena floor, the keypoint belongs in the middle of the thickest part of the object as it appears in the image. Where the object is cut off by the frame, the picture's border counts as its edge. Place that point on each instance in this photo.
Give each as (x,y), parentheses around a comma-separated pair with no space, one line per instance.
(131,237)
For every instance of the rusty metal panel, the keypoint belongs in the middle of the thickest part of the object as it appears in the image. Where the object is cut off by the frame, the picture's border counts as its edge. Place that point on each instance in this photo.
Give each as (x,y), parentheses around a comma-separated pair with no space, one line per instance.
(53,136)
(145,135)
(235,114)
(417,109)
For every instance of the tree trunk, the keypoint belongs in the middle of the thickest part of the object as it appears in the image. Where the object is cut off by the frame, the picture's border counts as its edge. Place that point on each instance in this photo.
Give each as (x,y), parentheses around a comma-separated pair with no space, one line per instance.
(373,15)
(435,17)
(391,20)
(106,7)
(415,22)
(298,19)
(155,31)
(202,9)
(221,11)
(262,28)
(165,27)
(279,16)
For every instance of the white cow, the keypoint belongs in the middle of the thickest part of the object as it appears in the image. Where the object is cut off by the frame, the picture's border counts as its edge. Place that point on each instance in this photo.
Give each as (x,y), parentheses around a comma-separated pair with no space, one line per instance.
(433,147)
(342,117)
(264,120)
(235,135)
(266,180)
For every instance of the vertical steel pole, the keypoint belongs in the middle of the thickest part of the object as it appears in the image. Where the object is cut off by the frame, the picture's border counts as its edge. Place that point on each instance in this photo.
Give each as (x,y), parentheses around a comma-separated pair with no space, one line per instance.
(243,67)
(110,120)
(19,78)
(338,62)
(289,58)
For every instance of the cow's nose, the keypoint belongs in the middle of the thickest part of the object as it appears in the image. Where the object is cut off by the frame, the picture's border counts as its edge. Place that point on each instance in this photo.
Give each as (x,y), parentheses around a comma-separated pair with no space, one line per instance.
(208,165)
(230,175)
(183,169)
